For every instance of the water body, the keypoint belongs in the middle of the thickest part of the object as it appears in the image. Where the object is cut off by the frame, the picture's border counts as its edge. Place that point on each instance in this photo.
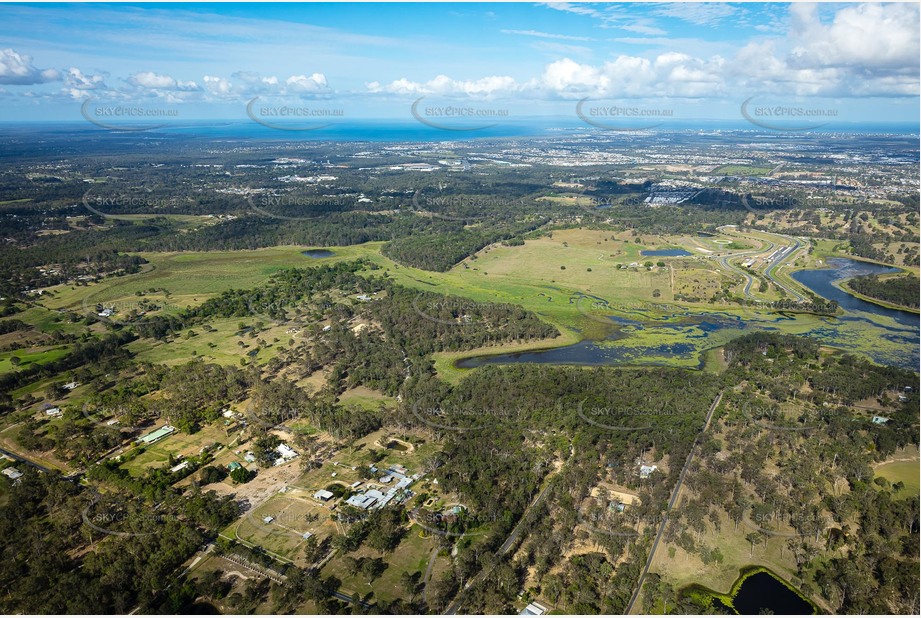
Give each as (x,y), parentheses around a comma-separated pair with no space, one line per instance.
(763,591)
(318,253)
(756,591)
(822,283)
(887,336)
(665,253)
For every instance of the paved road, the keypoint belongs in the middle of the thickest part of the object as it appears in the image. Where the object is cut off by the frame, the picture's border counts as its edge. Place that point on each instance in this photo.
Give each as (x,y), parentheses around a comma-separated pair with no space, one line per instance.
(504,549)
(769,271)
(22,459)
(344,597)
(725,263)
(795,245)
(428,573)
(671,503)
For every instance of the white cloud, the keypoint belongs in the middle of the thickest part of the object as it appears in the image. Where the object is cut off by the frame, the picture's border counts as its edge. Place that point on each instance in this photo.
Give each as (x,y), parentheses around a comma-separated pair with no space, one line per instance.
(699,13)
(443,85)
(641,27)
(147,79)
(76,79)
(611,18)
(217,85)
(869,35)
(302,83)
(17,69)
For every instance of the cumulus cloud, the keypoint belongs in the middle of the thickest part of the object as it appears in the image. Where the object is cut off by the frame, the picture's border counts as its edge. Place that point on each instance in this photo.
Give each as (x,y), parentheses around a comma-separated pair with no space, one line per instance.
(76,79)
(302,83)
(443,85)
(148,80)
(864,50)
(17,69)
(869,35)
(217,85)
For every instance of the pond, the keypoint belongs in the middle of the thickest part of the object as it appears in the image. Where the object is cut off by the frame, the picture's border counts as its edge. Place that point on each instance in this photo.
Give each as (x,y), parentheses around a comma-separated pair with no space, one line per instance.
(397,446)
(318,253)
(678,335)
(762,591)
(756,591)
(665,253)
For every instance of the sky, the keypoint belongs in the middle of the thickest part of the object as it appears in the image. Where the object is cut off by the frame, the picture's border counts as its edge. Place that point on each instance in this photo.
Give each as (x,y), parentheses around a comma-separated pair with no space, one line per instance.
(859,62)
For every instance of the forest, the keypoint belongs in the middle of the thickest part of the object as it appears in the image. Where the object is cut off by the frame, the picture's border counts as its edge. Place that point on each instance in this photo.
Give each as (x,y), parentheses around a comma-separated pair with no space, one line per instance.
(903,291)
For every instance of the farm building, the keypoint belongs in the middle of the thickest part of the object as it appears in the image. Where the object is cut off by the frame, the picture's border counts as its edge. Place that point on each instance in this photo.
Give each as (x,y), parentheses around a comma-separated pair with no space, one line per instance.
(12,473)
(533,609)
(156,436)
(323,495)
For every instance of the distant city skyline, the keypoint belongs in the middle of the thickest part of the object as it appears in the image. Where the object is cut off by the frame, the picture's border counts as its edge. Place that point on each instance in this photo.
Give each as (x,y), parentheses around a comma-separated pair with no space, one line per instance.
(462,65)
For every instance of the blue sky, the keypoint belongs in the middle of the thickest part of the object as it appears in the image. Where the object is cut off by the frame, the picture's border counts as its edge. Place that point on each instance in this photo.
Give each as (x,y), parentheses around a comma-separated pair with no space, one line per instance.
(374,60)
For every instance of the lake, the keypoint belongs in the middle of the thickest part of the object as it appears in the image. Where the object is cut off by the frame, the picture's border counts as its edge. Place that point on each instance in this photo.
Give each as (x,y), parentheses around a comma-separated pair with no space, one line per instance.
(665,253)
(822,283)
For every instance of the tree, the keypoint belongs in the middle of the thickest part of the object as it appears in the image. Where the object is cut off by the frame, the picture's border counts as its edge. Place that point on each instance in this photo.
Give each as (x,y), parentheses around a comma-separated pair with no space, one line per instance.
(240,475)
(410,583)
(373,568)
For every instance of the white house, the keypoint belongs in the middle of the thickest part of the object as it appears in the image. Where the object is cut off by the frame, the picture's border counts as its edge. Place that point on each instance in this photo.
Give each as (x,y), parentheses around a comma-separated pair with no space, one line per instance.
(533,609)
(323,495)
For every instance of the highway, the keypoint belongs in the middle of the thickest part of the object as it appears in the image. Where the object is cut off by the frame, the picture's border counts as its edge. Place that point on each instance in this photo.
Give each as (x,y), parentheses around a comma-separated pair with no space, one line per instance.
(785,253)
(769,271)
(725,263)
(671,503)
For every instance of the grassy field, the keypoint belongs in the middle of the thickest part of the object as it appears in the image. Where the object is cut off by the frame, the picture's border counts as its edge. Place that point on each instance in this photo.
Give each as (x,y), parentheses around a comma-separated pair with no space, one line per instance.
(554,276)
(902,471)
(191,278)
(366,398)
(411,555)
(293,515)
(179,443)
(742,170)
(682,569)
(31,356)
